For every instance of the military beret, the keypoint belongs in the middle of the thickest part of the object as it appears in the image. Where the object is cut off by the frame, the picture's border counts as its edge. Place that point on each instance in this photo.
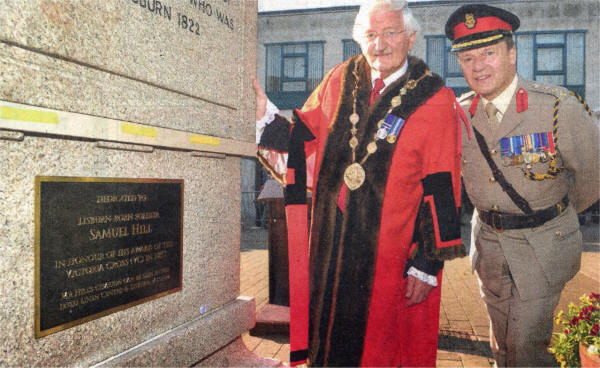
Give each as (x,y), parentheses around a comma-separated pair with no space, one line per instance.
(477,25)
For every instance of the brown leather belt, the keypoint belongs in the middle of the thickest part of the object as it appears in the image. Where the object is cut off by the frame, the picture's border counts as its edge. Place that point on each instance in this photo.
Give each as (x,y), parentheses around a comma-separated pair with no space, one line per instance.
(508,221)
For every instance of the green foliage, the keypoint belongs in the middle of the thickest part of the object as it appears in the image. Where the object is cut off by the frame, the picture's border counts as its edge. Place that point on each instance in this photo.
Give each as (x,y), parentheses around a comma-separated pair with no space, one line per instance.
(581,324)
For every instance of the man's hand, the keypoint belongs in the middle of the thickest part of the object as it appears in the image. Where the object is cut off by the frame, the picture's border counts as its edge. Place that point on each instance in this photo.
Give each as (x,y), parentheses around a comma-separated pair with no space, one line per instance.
(416,291)
(261,99)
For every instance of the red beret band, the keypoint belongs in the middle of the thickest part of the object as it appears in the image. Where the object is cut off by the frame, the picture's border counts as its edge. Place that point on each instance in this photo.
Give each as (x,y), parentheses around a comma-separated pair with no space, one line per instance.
(482,24)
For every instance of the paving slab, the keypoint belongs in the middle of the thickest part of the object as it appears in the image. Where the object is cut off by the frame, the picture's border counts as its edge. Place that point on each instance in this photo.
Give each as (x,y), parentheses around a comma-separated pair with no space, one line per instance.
(464,326)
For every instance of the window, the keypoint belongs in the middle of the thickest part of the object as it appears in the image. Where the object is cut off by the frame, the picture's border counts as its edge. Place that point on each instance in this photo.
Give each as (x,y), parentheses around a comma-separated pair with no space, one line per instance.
(553,57)
(443,62)
(293,70)
(351,48)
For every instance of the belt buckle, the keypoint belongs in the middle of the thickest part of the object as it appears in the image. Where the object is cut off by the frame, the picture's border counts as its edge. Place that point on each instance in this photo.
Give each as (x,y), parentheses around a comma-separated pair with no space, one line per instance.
(496,218)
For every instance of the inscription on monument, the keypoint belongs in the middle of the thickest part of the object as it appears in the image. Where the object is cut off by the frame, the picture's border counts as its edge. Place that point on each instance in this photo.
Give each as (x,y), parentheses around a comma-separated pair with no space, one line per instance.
(103,245)
(170,44)
(204,9)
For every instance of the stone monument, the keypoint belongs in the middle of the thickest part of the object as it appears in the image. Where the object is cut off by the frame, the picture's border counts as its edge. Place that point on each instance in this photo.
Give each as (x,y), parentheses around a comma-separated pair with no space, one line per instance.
(122,128)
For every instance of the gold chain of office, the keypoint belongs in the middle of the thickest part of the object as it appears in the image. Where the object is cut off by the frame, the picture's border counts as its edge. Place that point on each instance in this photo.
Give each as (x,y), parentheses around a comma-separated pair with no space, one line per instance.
(354,175)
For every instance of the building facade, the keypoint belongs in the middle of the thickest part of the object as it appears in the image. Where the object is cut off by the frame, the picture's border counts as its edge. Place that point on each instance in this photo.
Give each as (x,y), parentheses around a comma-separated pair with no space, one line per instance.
(558,43)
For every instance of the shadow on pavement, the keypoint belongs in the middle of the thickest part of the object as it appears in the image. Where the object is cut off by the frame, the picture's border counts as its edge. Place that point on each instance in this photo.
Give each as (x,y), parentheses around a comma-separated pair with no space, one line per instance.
(253,238)
(460,342)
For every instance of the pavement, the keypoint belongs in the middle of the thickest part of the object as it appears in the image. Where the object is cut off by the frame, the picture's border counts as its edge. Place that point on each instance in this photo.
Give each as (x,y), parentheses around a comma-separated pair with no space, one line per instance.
(464,326)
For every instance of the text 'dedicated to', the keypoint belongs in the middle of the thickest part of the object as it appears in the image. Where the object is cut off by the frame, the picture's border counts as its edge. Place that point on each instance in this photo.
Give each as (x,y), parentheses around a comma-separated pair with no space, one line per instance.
(103,245)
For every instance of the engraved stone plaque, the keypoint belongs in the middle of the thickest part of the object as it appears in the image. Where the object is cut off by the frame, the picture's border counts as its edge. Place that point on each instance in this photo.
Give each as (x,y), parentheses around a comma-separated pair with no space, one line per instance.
(102,245)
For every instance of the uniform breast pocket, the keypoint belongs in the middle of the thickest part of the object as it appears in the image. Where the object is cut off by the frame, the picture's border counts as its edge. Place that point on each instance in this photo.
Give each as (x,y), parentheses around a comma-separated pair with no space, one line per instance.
(557,246)
(476,174)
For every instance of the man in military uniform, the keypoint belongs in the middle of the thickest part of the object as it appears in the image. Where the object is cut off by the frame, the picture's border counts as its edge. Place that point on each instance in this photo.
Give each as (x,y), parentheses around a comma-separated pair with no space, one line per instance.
(529,165)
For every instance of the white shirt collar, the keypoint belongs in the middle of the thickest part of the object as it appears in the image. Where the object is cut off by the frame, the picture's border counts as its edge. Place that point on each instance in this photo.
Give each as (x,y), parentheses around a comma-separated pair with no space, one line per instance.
(503,99)
(390,78)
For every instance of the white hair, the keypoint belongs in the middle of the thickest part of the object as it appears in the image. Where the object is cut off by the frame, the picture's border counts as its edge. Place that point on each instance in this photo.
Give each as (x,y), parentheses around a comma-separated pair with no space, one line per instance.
(361,21)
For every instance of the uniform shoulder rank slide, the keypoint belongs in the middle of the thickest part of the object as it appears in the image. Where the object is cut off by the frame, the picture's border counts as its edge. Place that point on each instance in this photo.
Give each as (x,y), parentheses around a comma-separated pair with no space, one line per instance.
(389,128)
(522,100)
(465,96)
(527,149)
(474,103)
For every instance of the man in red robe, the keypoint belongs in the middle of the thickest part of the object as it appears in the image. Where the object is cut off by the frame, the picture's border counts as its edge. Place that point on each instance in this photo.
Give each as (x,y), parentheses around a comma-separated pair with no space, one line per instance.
(378,144)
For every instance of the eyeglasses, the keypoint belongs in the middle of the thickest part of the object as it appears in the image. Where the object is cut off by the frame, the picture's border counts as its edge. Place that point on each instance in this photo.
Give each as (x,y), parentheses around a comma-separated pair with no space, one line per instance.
(387,35)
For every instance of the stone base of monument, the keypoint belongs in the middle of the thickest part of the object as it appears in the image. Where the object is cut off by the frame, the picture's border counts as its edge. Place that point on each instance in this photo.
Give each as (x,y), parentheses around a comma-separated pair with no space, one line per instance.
(272,319)
(123,125)
(204,341)
(236,354)
(180,328)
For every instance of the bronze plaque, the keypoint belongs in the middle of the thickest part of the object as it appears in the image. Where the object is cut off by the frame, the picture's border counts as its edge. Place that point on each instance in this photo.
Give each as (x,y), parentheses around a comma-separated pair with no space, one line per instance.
(103,245)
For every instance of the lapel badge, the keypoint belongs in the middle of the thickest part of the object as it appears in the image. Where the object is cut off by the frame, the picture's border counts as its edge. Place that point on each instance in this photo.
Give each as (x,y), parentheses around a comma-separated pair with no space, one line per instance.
(470,20)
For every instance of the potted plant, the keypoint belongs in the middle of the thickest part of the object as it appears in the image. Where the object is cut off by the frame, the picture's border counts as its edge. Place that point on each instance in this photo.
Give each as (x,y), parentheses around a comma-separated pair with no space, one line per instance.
(579,341)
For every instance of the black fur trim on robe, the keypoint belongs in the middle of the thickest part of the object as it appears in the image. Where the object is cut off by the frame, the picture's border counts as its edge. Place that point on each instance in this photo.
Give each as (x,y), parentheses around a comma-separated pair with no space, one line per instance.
(425,238)
(295,193)
(342,275)
(276,135)
(439,186)
(273,147)
(429,256)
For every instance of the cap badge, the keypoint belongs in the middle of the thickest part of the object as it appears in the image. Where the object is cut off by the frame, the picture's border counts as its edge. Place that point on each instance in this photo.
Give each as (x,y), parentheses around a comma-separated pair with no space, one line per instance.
(470,20)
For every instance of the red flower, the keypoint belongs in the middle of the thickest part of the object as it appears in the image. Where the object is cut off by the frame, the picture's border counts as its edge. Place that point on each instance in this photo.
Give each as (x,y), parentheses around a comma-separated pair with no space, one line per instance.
(595,296)
(589,309)
(594,330)
(567,331)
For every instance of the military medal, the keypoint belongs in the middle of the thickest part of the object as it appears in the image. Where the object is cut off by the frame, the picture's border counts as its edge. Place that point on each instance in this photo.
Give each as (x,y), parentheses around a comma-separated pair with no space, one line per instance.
(397,124)
(388,128)
(382,133)
(515,160)
(383,130)
(527,149)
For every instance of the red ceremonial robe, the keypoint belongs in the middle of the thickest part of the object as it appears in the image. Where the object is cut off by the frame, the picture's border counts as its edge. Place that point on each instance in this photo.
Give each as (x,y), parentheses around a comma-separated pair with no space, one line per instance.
(354,312)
